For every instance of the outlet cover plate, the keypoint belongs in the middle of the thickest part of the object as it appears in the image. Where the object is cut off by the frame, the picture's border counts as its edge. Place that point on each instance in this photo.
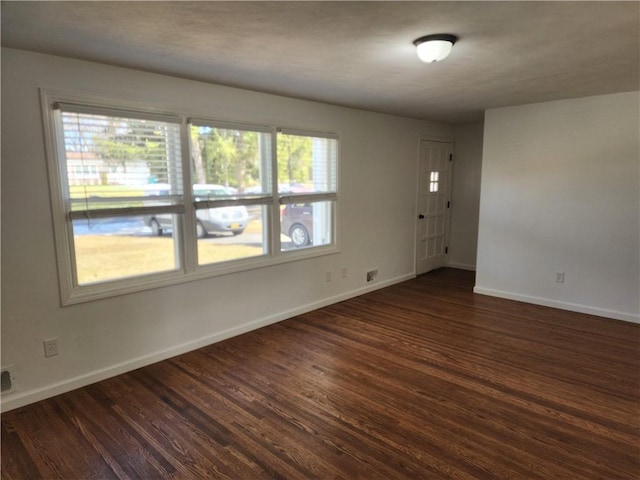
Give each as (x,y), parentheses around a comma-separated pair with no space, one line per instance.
(50,347)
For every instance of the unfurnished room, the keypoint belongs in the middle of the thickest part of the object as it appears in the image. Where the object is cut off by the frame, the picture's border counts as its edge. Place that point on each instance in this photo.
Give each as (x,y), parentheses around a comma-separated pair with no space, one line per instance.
(296,240)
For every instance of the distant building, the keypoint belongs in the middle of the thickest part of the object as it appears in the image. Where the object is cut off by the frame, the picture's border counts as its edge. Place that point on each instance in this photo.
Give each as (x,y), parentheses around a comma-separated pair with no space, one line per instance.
(84,168)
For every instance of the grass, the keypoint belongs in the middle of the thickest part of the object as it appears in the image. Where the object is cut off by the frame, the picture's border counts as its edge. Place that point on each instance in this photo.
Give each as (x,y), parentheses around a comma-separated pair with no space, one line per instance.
(106,191)
(212,253)
(104,257)
(107,257)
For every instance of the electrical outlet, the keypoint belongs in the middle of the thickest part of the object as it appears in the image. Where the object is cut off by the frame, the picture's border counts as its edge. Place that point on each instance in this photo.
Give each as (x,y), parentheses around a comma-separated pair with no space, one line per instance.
(50,347)
(327,277)
(559,277)
(344,272)
(372,275)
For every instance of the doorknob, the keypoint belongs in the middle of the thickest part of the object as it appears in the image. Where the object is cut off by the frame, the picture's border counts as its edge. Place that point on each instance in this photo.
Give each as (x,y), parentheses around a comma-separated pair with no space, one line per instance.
(421,216)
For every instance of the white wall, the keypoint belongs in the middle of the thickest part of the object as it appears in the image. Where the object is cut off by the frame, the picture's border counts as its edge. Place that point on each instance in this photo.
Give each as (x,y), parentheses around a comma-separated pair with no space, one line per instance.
(102,338)
(465,196)
(560,192)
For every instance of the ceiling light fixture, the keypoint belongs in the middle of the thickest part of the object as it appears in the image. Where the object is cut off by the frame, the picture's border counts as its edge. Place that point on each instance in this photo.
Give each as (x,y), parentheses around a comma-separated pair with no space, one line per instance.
(434,48)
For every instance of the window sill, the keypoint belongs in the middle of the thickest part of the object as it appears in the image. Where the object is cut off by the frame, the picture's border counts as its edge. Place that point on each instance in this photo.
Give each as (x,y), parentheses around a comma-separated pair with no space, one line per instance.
(99,291)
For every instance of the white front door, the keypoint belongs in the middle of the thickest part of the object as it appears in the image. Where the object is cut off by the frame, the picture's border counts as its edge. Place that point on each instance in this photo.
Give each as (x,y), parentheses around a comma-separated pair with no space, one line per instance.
(433,205)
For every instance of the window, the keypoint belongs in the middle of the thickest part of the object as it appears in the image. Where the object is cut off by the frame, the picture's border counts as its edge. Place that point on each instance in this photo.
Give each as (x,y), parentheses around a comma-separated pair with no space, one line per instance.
(231,179)
(307,189)
(110,162)
(433,182)
(143,199)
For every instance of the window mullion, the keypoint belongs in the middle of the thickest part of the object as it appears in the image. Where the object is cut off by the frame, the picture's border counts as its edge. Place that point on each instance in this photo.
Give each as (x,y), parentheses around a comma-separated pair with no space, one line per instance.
(231,202)
(124,212)
(274,211)
(188,241)
(307,198)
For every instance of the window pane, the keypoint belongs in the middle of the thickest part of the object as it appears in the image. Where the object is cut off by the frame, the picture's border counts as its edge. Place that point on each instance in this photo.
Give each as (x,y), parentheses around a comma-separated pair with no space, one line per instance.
(231,233)
(230,161)
(120,247)
(306,224)
(113,161)
(306,164)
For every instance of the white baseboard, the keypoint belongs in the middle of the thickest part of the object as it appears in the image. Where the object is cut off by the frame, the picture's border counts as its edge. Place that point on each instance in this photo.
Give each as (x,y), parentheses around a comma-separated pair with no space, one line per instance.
(20,399)
(574,307)
(462,266)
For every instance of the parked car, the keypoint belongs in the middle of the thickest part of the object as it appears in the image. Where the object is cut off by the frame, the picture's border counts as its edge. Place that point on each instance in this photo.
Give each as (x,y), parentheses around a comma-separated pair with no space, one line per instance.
(209,220)
(296,222)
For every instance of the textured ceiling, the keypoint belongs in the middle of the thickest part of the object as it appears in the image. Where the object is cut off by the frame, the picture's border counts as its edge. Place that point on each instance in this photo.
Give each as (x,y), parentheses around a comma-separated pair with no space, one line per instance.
(358,54)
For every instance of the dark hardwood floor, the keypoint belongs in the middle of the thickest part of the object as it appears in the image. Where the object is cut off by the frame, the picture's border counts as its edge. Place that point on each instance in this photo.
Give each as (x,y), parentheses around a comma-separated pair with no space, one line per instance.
(422,380)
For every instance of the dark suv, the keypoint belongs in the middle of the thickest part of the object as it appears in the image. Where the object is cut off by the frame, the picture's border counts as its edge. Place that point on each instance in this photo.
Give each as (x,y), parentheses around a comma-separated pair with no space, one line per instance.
(297,223)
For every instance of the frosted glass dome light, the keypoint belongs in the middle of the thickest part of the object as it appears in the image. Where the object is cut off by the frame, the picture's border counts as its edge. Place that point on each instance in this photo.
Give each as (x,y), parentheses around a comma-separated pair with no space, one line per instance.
(434,48)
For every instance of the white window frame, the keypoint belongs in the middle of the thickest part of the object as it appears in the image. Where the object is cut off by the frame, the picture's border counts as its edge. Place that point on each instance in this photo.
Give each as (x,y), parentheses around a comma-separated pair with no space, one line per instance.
(185,236)
(264,199)
(312,197)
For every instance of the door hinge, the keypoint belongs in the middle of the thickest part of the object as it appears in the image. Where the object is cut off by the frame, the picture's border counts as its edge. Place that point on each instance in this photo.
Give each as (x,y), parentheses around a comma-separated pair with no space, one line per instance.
(451,157)
(446,250)
(448,204)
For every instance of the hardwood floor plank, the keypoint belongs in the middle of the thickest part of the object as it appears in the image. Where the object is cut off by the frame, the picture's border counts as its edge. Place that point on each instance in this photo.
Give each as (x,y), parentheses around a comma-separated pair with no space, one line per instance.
(126,452)
(414,402)
(19,464)
(419,380)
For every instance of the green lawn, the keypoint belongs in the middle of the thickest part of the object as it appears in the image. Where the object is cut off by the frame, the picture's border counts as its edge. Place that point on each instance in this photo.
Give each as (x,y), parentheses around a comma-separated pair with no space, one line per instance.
(78,191)
(105,191)
(106,257)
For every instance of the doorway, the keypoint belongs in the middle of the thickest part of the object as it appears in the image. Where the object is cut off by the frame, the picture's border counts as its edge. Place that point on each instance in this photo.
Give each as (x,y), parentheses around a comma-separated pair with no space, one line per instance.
(434,174)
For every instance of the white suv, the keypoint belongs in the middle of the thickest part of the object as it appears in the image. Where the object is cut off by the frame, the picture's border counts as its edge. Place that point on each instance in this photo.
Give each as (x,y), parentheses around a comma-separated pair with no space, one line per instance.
(209,220)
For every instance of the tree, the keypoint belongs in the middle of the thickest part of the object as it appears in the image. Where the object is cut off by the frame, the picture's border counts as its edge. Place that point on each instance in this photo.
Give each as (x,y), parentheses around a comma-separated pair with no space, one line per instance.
(225,156)
(196,152)
(294,159)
